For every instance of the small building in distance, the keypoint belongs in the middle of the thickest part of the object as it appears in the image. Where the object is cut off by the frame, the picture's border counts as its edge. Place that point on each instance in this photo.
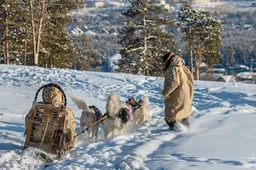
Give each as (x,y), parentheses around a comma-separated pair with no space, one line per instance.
(247,77)
(226,78)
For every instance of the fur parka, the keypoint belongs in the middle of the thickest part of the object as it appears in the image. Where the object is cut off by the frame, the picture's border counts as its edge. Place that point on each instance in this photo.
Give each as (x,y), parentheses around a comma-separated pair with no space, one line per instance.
(178,90)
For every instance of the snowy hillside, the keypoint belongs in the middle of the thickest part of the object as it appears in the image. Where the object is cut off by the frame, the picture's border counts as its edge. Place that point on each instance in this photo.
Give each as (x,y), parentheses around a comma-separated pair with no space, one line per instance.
(222,136)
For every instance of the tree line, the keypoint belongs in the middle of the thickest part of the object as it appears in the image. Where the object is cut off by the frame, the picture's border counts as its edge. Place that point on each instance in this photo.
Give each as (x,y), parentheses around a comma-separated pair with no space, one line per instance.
(35,32)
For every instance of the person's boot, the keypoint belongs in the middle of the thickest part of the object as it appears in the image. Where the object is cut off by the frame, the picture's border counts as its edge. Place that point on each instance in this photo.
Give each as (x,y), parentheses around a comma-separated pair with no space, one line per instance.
(185,122)
(171,124)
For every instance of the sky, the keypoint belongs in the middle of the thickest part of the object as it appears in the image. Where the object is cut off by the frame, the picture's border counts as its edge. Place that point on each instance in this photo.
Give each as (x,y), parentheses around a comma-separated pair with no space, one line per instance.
(221,137)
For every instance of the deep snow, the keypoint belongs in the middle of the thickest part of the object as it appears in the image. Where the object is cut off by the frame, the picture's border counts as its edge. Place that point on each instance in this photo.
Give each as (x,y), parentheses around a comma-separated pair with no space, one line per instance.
(221,136)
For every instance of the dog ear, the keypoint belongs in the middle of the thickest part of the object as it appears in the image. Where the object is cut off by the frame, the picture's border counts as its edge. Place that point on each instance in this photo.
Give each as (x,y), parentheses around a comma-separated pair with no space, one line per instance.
(132,101)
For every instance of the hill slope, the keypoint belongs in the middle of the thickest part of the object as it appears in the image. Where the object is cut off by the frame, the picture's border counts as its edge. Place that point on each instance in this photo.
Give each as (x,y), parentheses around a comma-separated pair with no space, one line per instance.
(221,136)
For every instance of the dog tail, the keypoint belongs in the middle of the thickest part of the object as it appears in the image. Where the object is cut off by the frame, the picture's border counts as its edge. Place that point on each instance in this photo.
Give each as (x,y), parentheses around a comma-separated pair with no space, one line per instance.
(80,103)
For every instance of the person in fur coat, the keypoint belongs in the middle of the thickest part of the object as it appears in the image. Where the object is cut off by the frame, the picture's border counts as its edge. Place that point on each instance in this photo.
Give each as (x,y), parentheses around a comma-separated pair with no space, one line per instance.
(178,91)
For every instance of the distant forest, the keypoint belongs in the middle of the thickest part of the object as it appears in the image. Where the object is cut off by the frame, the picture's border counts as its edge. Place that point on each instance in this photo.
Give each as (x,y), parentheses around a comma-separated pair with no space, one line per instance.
(238,38)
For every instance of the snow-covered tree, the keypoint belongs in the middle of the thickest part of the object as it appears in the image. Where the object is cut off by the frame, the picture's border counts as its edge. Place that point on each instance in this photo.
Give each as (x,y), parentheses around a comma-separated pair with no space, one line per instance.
(49,33)
(34,32)
(186,19)
(203,35)
(9,15)
(144,39)
(206,41)
(21,50)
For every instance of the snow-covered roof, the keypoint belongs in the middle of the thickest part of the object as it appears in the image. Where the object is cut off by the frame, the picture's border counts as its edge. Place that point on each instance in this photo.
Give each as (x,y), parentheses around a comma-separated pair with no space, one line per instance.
(99,4)
(243,66)
(203,64)
(228,78)
(218,70)
(77,31)
(116,56)
(114,33)
(248,26)
(89,32)
(246,75)
(117,4)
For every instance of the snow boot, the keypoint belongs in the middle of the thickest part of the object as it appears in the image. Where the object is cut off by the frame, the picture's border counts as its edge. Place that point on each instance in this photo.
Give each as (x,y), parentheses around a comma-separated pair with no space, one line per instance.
(171,124)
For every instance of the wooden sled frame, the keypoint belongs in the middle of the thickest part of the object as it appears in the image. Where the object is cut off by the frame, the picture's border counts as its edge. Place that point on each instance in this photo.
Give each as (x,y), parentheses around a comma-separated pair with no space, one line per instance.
(50,122)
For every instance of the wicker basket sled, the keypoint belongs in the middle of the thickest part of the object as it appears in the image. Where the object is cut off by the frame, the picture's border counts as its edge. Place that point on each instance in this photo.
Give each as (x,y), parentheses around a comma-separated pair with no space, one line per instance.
(46,128)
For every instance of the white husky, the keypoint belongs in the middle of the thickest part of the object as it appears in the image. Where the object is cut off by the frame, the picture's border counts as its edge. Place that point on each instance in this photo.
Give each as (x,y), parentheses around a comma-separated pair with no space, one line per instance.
(118,118)
(142,113)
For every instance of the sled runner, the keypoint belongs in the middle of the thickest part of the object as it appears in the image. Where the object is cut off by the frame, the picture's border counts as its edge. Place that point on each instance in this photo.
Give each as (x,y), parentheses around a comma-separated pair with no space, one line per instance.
(50,128)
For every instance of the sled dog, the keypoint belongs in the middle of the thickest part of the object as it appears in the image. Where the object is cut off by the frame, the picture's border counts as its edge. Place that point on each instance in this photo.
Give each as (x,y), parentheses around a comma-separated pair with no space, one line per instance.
(89,115)
(119,116)
(141,113)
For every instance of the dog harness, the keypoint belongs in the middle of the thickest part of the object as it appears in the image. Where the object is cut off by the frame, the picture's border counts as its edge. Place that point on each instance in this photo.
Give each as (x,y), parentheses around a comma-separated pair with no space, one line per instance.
(97,111)
(129,110)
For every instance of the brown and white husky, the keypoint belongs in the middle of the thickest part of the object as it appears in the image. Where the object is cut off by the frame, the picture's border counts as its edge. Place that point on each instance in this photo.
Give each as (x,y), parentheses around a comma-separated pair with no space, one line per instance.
(89,115)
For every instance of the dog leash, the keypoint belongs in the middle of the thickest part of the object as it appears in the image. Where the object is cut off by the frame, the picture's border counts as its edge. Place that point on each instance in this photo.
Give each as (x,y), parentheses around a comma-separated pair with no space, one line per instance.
(87,128)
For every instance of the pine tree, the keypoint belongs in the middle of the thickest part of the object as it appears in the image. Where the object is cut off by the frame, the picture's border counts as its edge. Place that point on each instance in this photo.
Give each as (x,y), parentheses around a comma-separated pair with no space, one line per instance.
(206,40)
(144,39)
(49,35)
(37,15)
(20,39)
(25,38)
(8,27)
(34,32)
(203,36)
(212,43)
(186,19)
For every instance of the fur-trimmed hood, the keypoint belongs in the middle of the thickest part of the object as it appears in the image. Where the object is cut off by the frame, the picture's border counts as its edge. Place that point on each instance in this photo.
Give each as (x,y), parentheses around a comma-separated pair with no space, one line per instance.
(177,61)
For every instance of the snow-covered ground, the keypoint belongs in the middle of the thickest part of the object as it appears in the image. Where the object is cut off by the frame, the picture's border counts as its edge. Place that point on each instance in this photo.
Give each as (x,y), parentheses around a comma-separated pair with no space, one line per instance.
(222,134)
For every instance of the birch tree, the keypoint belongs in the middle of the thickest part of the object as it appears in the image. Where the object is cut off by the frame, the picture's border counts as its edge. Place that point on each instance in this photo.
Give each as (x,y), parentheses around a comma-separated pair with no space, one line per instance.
(36,27)
(43,16)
